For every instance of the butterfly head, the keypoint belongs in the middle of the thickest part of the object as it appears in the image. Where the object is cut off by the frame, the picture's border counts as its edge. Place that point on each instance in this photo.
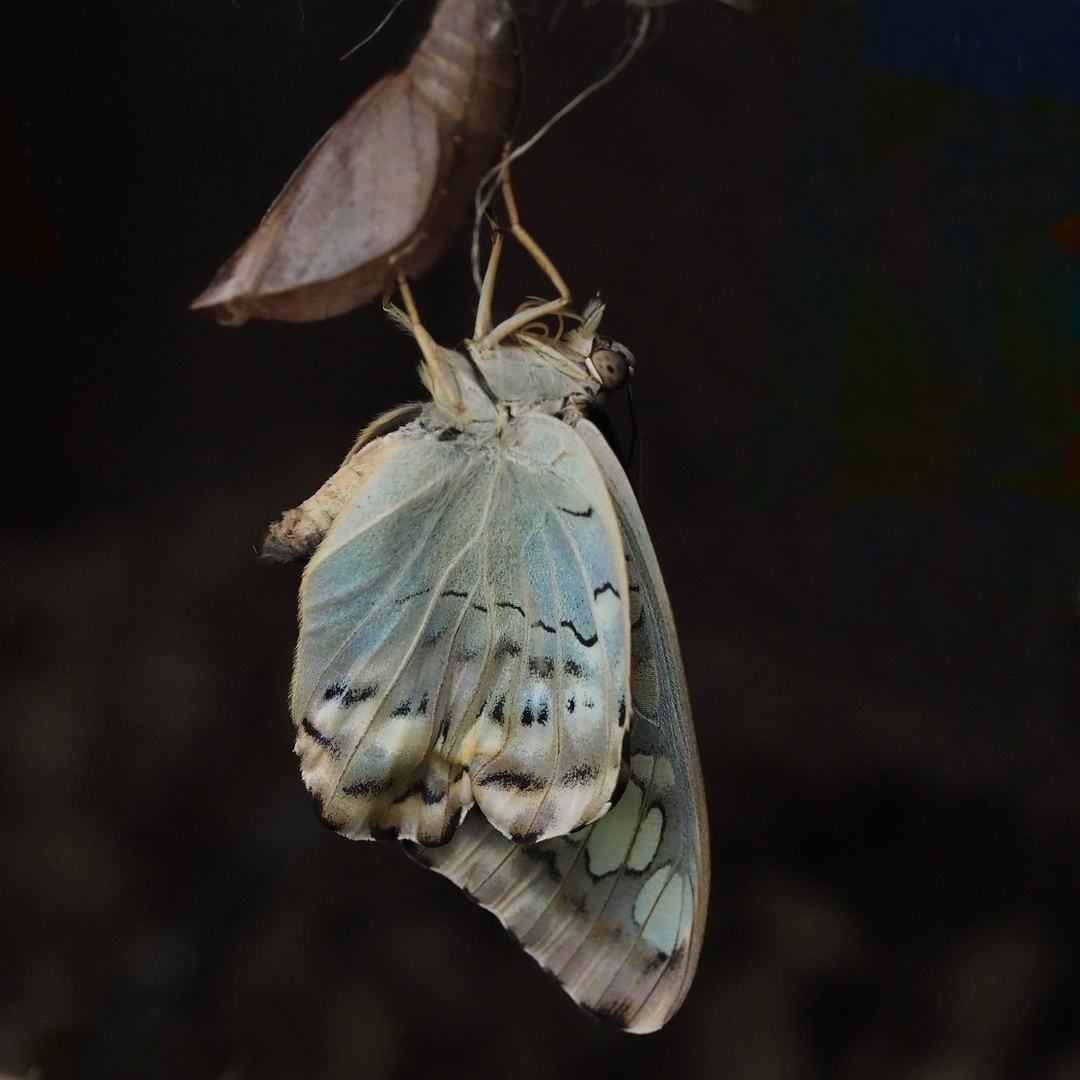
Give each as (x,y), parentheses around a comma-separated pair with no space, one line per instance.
(609,363)
(597,359)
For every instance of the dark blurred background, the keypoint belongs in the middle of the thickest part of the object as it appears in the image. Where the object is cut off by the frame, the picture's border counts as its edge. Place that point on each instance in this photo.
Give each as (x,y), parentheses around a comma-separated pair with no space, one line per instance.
(843,242)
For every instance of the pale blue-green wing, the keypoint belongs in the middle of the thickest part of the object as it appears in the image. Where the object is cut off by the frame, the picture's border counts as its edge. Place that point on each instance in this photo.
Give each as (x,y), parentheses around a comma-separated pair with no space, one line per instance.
(615,911)
(465,637)
(556,587)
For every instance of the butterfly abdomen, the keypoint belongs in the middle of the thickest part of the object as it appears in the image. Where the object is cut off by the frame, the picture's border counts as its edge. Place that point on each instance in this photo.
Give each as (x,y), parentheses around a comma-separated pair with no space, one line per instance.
(299,532)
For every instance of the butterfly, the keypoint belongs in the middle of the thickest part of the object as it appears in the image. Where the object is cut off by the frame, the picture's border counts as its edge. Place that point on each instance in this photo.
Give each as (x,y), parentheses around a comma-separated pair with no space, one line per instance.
(488,670)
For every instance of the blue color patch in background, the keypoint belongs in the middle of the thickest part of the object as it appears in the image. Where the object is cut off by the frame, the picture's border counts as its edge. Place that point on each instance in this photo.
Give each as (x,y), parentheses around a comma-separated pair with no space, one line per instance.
(1011,48)
(921,391)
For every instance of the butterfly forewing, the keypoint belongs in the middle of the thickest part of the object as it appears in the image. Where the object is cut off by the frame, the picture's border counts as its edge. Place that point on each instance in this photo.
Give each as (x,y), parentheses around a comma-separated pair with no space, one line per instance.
(614,911)
(465,637)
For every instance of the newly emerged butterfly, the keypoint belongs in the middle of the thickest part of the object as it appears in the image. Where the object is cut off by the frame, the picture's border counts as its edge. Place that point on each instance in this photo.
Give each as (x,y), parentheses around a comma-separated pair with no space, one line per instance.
(488,670)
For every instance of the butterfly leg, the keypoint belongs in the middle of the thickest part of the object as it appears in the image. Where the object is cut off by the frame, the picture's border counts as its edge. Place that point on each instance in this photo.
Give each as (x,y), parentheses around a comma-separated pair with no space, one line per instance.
(528,243)
(520,319)
(448,387)
(487,290)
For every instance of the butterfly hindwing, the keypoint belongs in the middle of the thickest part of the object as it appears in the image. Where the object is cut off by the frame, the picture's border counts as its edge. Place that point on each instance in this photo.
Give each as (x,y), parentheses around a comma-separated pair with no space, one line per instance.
(465,637)
(615,911)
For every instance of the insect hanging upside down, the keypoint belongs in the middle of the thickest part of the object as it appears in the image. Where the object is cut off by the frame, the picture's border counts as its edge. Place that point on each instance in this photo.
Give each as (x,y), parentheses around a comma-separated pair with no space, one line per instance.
(488,669)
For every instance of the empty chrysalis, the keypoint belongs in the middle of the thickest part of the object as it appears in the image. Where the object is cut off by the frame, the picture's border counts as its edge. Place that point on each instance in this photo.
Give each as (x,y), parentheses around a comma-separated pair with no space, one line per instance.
(390,185)
(488,670)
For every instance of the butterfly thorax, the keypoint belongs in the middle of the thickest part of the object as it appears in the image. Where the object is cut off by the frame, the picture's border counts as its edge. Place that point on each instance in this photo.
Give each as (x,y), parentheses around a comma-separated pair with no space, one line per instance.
(494,385)
(565,374)
(535,376)
(485,388)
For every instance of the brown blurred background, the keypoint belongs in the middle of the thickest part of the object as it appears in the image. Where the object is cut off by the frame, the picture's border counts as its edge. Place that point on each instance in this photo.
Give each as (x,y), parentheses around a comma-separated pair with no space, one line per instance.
(842,241)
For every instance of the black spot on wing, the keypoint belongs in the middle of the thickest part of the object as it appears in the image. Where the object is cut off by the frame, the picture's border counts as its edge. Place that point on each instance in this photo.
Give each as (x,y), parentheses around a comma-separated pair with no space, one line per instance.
(572,667)
(570,705)
(657,961)
(579,775)
(334,690)
(427,795)
(422,708)
(498,712)
(543,854)
(510,780)
(324,741)
(355,696)
(622,711)
(616,1014)
(367,789)
(577,513)
(324,814)
(414,595)
(528,717)
(441,837)
(512,607)
(544,626)
(606,587)
(588,642)
(480,608)
(455,592)
(403,709)
(444,834)
(507,648)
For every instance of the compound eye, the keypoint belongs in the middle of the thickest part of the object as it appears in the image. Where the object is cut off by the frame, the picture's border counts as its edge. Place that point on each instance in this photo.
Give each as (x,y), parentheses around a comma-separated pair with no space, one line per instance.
(611,363)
